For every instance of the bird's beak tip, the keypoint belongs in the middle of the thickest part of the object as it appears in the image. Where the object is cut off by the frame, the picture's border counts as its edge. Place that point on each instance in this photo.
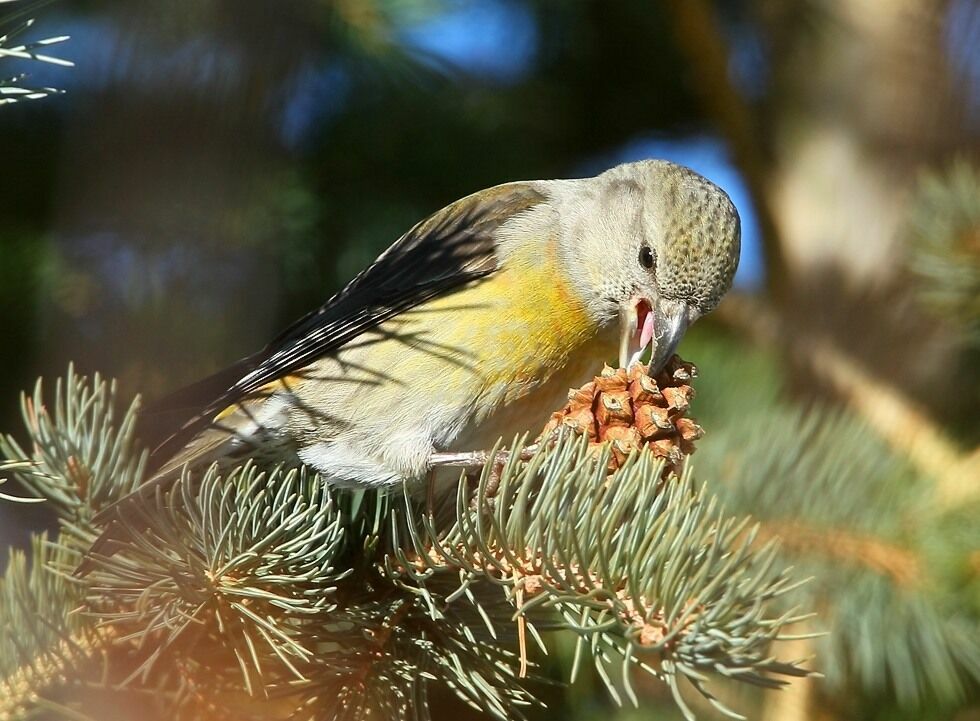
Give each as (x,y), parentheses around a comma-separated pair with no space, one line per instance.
(670,324)
(658,324)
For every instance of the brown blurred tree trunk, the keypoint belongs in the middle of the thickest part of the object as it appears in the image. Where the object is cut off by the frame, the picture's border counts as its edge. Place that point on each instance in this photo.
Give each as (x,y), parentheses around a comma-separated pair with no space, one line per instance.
(860,102)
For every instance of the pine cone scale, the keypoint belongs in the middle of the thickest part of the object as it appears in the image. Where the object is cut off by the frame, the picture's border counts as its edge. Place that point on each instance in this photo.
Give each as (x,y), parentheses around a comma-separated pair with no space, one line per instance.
(632,410)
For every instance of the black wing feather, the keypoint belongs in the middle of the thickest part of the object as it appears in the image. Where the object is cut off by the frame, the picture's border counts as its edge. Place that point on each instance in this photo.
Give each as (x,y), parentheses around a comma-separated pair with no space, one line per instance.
(451,248)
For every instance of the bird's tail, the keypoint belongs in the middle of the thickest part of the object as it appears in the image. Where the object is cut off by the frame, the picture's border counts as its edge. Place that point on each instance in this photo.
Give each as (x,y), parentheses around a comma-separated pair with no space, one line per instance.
(213,445)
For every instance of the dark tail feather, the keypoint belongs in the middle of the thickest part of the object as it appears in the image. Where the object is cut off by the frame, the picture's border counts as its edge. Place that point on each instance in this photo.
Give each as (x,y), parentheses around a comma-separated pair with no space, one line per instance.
(104,546)
(108,514)
(168,423)
(184,410)
(112,538)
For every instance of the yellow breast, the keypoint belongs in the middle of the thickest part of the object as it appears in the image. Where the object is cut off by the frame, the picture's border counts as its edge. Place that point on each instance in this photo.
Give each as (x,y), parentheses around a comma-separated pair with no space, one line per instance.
(524,320)
(511,345)
(485,361)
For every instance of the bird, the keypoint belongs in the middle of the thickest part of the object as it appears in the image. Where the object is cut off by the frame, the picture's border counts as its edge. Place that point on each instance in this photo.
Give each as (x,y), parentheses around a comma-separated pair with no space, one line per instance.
(471,327)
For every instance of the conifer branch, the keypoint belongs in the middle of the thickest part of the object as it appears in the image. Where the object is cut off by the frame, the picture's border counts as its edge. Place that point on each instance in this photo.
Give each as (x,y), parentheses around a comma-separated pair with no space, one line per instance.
(80,455)
(807,477)
(44,643)
(267,584)
(796,701)
(907,428)
(944,234)
(13,89)
(654,589)
(902,565)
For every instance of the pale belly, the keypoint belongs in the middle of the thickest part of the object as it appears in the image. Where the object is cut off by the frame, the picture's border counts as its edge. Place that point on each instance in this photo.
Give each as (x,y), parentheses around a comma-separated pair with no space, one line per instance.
(378,431)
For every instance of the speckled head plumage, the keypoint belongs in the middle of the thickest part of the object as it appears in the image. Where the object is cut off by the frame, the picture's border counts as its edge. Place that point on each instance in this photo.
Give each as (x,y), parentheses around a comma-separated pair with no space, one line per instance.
(696,230)
(651,243)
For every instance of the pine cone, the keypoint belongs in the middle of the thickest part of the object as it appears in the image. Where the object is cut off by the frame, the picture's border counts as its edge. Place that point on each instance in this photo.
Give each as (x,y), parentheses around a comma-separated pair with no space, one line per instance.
(633,410)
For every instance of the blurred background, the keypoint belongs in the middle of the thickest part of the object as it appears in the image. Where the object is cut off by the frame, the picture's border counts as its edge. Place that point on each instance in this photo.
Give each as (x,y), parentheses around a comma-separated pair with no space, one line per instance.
(215,168)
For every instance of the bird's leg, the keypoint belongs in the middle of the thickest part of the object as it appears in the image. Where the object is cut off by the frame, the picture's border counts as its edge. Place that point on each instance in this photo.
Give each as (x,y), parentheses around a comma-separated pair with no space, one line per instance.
(476,459)
(479,459)
(467,459)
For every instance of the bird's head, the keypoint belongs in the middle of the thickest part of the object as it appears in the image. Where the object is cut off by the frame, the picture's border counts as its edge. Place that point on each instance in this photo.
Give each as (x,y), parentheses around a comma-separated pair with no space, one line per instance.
(650,245)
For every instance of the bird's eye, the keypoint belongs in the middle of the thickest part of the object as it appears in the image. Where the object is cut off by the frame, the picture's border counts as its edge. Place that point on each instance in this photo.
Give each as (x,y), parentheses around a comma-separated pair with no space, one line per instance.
(646,257)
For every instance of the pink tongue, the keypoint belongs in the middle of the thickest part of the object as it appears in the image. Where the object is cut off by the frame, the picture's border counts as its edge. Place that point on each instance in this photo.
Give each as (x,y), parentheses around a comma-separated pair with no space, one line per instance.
(646,332)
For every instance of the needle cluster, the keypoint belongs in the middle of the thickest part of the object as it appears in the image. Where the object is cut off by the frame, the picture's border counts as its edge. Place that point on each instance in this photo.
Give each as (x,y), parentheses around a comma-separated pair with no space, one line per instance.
(263,593)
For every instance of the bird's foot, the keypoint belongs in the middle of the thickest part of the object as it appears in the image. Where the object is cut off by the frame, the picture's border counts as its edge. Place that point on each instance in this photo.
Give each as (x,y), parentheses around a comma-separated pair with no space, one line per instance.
(472,460)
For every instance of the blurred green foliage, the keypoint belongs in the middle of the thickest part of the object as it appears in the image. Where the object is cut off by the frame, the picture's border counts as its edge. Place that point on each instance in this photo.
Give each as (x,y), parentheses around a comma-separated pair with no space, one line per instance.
(218,167)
